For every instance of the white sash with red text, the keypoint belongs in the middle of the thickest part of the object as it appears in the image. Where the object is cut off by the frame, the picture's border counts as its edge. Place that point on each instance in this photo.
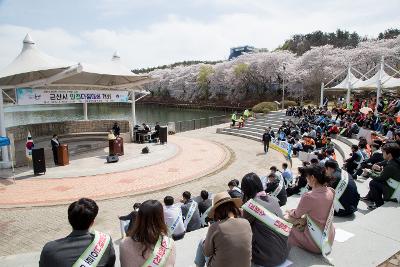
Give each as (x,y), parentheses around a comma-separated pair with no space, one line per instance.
(268,218)
(160,253)
(93,253)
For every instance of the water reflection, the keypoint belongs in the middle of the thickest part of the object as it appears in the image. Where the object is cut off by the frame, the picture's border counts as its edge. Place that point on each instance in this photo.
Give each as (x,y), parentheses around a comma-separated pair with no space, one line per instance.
(21,115)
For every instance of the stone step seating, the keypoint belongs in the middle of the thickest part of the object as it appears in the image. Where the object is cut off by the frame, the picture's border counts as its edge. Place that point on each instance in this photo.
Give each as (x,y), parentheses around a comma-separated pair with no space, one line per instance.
(368,226)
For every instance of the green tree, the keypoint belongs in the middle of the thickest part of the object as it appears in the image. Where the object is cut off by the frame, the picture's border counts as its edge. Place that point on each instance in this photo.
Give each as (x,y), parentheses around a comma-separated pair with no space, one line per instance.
(203,80)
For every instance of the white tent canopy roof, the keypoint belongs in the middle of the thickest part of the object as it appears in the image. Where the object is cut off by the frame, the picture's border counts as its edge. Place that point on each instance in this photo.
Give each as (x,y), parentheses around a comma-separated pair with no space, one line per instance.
(348,81)
(31,64)
(34,68)
(386,80)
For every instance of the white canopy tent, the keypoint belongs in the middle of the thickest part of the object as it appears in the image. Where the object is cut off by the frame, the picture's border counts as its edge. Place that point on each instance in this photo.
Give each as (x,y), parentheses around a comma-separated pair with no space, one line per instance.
(32,68)
(380,80)
(347,84)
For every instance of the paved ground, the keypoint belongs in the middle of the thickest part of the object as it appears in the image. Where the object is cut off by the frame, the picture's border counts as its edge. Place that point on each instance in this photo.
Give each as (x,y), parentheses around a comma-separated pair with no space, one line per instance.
(94,162)
(181,161)
(24,230)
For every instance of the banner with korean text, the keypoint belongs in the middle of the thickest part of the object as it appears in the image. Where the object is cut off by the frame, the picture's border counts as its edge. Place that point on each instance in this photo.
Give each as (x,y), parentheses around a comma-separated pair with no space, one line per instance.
(282,146)
(30,96)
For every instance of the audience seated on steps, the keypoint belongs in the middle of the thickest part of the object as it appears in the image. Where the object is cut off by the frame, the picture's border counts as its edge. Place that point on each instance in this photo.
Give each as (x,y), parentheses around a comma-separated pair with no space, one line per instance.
(148,242)
(234,189)
(276,188)
(354,162)
(173,218)
(385,183)
(131,217)
(228,240)
(204,207)
(312,219)
(300,184)
(78,247)
(346,193)
(270,231)
(190,212)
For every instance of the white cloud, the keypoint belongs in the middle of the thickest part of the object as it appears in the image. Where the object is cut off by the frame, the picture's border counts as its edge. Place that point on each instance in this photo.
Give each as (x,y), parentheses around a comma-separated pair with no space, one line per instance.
(179,37)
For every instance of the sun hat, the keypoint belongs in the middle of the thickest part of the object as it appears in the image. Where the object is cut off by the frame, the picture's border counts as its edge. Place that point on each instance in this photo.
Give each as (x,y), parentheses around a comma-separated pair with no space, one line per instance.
(222,198)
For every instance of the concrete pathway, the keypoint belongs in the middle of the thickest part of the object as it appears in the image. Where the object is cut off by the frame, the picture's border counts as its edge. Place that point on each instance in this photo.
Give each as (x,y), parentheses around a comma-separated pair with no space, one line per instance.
(194,158)
(26,230)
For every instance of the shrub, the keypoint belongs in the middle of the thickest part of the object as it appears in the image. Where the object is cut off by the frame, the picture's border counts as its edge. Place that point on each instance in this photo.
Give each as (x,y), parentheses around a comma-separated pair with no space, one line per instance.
(264,105)
(266,110)
(288,103)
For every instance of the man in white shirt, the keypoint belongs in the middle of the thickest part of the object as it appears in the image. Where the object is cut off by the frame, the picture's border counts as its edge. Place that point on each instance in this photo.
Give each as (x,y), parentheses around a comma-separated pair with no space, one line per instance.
(287,173)
(173,218)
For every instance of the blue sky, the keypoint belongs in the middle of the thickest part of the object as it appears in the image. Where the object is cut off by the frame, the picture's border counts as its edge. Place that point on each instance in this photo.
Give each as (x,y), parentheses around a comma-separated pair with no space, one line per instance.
(154,32)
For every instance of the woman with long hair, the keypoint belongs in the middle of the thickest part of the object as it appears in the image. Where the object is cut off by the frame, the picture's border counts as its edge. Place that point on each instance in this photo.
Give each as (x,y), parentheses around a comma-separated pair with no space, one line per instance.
(313,216)
(270,231)
(148,242)
(228,241)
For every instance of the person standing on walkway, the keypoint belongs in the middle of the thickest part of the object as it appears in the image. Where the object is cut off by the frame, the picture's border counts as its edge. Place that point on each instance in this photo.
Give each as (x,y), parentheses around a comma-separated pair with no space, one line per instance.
(55,143)
(266,138)
(233,117)
(80,246)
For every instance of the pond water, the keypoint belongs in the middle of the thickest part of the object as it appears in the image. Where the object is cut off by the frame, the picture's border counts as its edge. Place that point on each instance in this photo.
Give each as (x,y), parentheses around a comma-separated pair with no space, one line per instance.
(22,115)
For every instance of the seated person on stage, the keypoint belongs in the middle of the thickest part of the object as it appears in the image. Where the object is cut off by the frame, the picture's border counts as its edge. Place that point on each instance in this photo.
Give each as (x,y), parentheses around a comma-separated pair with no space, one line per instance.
(300,184)
(157,131)
(131,217)
(146,128)
(316,208)
(287,174)
(276,188)
(69,251)
(234,190)
(346,196)
(173,218)
(385,183)
(190,212)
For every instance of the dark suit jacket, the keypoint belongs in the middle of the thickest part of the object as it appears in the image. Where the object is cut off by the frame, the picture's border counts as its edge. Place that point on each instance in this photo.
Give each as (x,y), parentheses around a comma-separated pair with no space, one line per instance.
(54,145)
(65,252)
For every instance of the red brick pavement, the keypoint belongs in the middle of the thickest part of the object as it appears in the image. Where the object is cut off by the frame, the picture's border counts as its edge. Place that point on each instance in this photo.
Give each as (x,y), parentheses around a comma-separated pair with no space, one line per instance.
(196,158)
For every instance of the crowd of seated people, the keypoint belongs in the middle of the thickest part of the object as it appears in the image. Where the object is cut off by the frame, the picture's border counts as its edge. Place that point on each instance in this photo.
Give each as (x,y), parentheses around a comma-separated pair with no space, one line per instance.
(246,225)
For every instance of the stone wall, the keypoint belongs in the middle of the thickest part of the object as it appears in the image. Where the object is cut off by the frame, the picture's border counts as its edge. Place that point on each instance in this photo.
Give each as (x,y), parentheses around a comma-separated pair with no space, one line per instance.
(65,127)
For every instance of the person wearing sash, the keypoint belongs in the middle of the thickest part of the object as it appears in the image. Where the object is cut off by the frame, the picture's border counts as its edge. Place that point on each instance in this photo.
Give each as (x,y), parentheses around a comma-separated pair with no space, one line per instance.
(173,218)
(148,243)
(269,244)
(385,185)
(346,193)
(228,240)
(190,212)
(317,208)
(276,188)
(55,143)
(81,247)
(205,202)
(234,189)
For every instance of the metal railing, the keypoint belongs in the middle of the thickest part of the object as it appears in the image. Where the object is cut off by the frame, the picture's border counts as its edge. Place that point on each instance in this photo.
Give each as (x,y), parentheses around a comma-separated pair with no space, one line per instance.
(188,125)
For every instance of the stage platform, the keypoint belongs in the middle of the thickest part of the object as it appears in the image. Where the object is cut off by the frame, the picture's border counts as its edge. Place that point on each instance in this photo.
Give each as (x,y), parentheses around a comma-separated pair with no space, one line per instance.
(88,175)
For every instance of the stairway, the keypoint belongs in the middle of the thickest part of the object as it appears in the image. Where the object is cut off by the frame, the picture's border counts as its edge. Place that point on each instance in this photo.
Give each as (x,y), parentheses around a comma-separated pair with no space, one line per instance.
(254,128)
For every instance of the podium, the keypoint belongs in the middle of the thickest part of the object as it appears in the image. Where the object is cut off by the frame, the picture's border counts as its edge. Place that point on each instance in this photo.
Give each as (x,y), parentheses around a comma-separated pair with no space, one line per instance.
(63,155)
(116,147)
